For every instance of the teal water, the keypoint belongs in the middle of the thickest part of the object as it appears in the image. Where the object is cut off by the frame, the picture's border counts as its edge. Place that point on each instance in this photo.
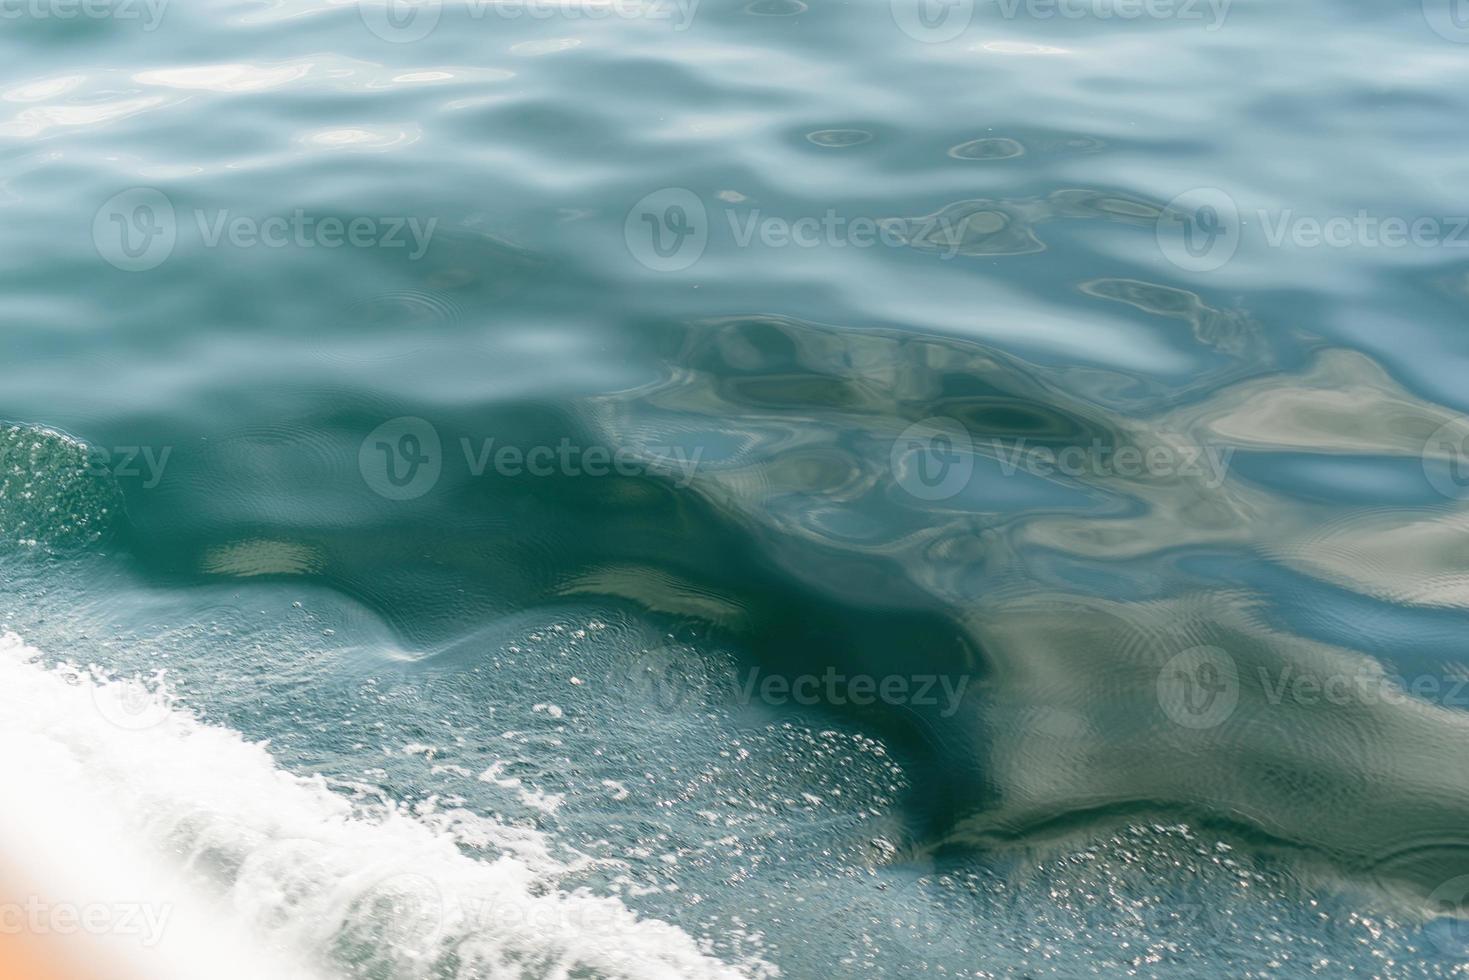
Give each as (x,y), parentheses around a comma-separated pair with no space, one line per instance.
(709,489)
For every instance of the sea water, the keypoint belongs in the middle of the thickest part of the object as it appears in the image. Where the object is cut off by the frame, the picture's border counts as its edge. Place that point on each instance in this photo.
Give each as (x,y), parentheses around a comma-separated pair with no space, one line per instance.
(692,488)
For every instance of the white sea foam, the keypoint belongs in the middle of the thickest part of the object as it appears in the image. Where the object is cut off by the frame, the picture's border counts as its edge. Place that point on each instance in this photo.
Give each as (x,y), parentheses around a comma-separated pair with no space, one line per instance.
(116,800)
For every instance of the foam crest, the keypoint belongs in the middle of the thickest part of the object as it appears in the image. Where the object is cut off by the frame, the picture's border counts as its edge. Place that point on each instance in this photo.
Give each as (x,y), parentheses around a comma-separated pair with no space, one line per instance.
(233,867)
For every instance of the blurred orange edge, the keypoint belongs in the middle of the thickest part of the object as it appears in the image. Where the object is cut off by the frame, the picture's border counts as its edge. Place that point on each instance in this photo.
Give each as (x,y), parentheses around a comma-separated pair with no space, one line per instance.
(24,955)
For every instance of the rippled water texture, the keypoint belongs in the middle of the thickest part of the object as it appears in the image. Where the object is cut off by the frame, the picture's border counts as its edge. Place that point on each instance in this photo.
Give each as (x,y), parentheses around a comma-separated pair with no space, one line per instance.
(536,422)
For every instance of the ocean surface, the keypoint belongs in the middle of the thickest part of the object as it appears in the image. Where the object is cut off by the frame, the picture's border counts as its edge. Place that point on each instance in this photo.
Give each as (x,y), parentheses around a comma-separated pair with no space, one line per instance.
(712,489)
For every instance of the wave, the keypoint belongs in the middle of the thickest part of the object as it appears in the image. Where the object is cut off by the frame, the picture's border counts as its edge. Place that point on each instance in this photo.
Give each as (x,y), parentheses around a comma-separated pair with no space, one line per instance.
(199,856)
